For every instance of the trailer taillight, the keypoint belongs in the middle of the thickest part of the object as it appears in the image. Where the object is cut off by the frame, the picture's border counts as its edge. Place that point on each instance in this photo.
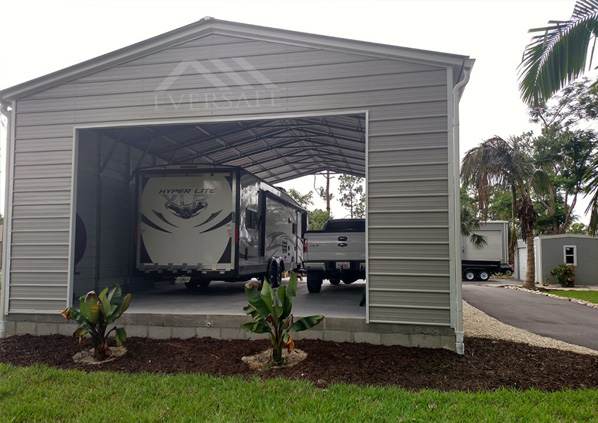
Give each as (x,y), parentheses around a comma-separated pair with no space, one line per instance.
(304,245)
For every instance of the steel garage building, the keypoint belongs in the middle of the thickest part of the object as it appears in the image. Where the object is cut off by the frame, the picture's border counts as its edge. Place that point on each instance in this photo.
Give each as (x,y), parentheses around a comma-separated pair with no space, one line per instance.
(278,103)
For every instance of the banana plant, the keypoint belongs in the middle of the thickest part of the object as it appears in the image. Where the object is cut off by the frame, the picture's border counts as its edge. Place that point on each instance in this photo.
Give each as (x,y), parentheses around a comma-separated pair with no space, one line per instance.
(271,310)
(96,313)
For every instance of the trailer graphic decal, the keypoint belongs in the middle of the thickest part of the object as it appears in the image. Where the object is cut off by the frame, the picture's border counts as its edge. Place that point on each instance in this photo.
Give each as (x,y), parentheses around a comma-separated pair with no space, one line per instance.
(176,205)
(151,224)
(223,222)
(163,219)
(186,221)
(226,255)
(209,219)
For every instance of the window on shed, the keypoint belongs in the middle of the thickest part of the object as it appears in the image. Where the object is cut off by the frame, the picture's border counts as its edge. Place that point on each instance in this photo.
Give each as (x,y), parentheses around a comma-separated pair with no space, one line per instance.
(570,254)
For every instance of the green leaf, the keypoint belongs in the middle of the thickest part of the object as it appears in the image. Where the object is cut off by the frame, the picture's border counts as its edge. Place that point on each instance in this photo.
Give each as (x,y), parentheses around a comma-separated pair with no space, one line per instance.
(256,327)
(121,336)
(117,310)
(103,293)
(105,307)
(267,297)
(254,313)
(292,286)
(115,294)
(285,302)
(256,301)
(84,308)
(288,305)
(306,323)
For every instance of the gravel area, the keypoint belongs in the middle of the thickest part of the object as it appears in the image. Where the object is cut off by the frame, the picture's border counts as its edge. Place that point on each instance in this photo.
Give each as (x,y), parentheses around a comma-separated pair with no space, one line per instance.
(478,324)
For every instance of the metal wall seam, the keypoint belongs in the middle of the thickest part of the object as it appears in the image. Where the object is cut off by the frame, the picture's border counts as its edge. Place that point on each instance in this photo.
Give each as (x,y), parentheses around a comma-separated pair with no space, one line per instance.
(4,300)
(367,217)
(405,322)
(412,307)
(431,291)
(73,221)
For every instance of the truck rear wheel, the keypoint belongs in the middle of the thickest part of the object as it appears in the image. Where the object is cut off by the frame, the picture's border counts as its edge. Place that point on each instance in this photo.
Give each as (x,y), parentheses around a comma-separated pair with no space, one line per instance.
(314,282)
(469,275)
(484,275)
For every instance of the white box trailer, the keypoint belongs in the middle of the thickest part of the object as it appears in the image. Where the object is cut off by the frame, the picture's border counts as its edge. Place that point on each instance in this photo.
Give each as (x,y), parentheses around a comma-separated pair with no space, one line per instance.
(215,223)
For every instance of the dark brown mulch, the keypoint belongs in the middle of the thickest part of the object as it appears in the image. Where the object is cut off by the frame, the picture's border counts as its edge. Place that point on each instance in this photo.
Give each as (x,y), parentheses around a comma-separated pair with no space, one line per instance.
(487,364)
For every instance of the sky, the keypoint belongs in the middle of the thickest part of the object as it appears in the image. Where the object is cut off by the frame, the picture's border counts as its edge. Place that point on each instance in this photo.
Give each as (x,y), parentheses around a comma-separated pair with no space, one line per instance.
(45,36)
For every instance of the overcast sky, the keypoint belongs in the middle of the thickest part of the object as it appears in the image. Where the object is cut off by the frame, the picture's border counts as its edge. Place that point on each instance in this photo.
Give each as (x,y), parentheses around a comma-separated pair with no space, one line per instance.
(41,37)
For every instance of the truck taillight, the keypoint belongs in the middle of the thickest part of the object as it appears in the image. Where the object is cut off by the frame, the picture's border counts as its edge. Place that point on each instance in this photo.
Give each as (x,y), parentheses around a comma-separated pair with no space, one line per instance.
(304,245)
(236,234)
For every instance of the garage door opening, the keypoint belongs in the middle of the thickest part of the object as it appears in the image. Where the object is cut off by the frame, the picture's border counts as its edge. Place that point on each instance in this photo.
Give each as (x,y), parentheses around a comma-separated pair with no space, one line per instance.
(274,150)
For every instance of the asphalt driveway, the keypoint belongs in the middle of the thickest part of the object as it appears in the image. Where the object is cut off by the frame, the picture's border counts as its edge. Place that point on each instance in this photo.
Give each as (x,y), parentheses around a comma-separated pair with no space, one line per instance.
(539,314)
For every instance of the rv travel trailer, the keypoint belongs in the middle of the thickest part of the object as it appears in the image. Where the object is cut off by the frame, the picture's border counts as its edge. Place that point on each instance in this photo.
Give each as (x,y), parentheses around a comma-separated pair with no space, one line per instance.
(216,223)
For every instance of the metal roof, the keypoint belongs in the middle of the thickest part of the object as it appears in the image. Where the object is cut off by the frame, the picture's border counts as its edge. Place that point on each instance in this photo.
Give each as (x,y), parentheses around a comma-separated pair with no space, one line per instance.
(210,25)
(275,150)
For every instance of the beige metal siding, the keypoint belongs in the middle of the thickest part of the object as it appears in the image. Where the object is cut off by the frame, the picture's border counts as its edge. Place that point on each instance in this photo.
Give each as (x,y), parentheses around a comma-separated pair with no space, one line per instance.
(407,104)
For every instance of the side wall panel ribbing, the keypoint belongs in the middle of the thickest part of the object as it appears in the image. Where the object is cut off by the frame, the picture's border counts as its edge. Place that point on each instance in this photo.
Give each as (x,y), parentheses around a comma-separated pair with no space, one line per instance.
(407,186)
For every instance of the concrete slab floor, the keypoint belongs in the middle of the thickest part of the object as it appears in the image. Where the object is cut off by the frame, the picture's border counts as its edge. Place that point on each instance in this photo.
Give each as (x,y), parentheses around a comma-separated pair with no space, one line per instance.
(229,298)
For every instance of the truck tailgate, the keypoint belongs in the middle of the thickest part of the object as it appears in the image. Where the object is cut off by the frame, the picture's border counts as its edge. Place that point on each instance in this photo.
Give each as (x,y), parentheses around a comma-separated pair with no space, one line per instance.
(339,246)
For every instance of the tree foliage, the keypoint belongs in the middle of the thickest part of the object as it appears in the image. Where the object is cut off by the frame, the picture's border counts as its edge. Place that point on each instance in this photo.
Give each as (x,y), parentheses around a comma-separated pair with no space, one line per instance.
(559,53)
(352,195)
(304,200)
(578,228)
(507,164)
(567,149)
(317,218)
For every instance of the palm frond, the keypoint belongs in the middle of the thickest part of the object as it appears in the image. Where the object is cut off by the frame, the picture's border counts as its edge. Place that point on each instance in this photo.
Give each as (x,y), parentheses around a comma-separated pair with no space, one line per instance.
(559,54)
(478,241)
(541,183)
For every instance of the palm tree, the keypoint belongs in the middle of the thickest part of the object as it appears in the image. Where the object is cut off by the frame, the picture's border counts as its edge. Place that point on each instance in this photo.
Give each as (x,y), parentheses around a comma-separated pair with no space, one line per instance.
(555,57)
(506,163)
(559,54)
(470,221)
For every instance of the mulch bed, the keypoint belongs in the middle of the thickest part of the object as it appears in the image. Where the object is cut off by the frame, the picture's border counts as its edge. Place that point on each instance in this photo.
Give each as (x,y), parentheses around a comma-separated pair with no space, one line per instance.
(487,364)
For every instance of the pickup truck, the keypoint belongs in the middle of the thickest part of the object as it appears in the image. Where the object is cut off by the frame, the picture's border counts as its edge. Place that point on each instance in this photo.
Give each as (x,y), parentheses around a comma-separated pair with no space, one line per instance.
(336,253)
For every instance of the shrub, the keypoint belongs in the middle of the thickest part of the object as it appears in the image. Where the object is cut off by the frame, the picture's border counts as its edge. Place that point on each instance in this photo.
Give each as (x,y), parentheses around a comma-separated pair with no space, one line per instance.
(271,310)
(564,274)
(95,314)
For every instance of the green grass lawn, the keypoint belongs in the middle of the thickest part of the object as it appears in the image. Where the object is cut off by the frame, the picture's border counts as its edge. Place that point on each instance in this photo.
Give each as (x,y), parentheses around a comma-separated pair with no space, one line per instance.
(41,394)
(591,296)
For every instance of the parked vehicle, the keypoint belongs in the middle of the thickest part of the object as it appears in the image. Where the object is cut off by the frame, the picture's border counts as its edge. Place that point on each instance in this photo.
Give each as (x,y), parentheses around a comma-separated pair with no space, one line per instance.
(336,253)
(479,263)
(216,223)
(483,269)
